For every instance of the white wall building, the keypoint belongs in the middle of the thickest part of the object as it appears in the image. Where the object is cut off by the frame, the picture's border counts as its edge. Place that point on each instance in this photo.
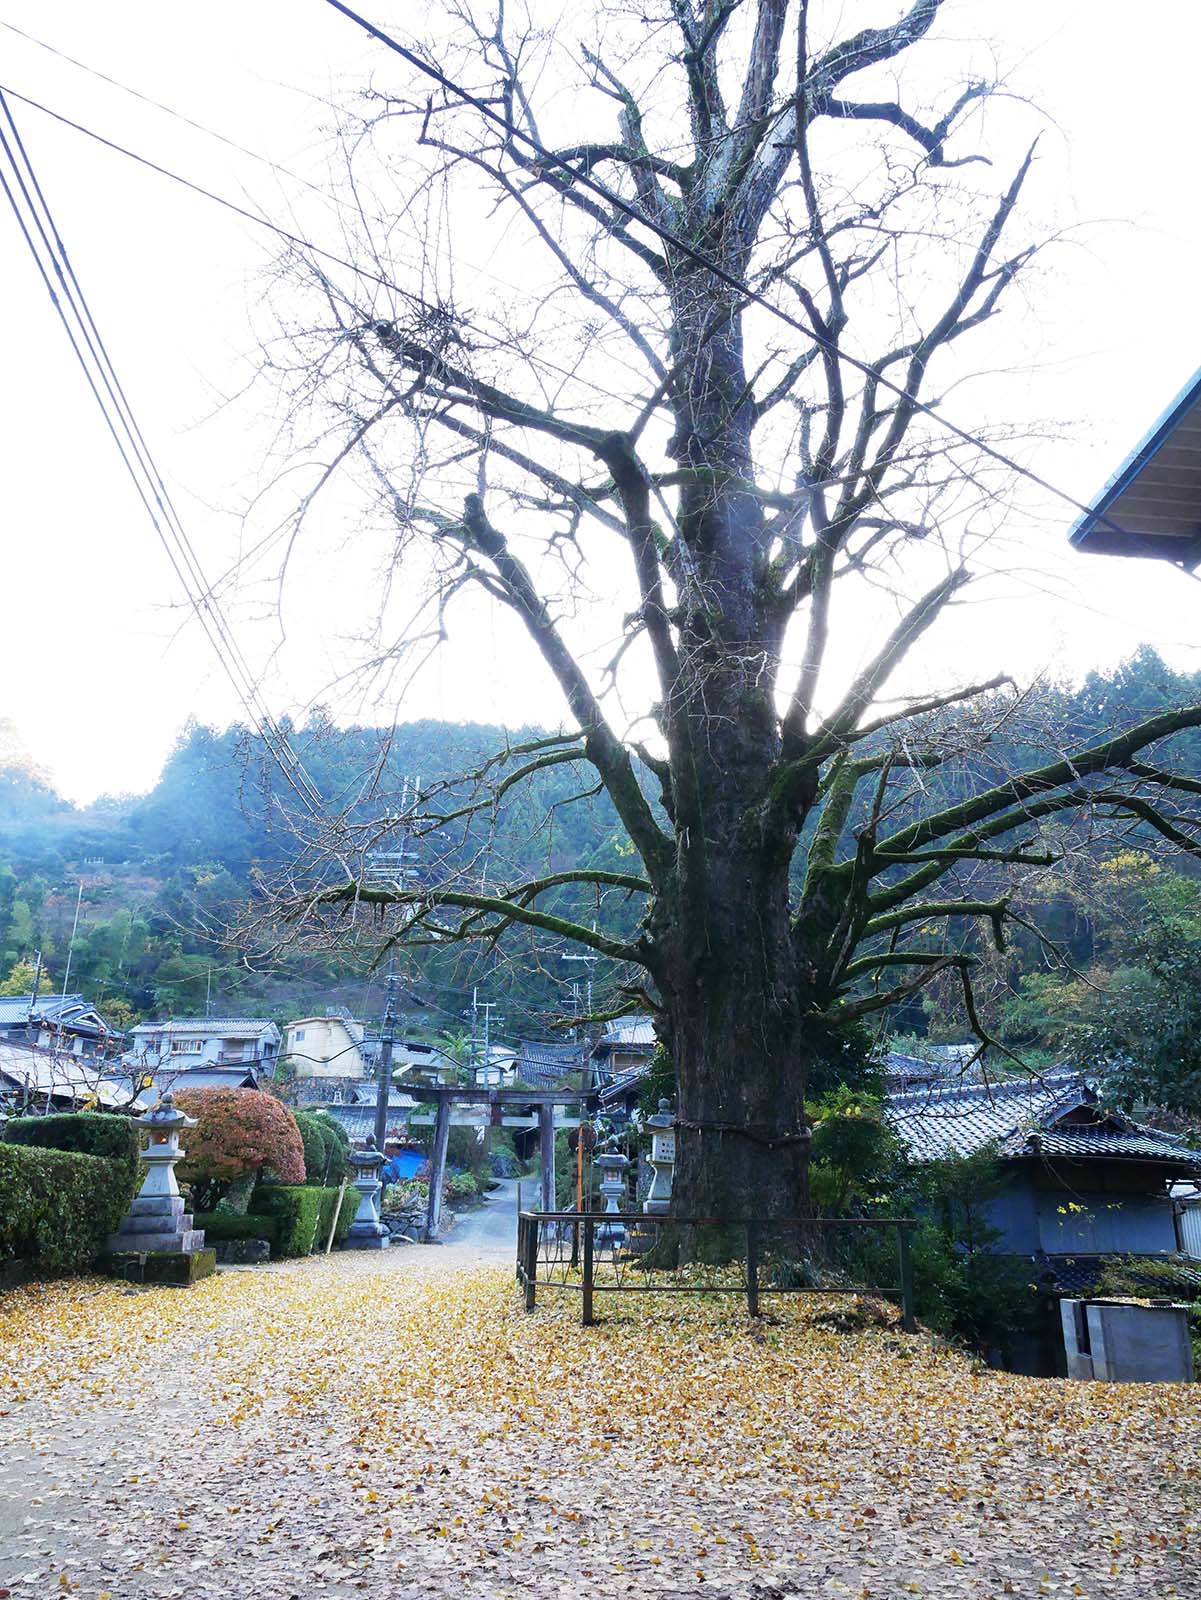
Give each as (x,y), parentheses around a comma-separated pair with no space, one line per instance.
(181,1043)
(329,1046)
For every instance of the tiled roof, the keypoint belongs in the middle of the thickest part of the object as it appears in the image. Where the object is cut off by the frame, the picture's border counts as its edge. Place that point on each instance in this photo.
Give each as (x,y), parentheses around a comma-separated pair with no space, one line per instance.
(72,1010)
(205,1078)
(1055,1115)
(546,1065)
(624,1033)
(903,1070)
(1132,1143)
(359,1120)
(63,1076)
(621,1086)
(208,1025)
(1077,1276)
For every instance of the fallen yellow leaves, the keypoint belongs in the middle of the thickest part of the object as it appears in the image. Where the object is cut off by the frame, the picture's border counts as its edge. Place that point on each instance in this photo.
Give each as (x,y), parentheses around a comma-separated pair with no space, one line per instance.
(365,1422)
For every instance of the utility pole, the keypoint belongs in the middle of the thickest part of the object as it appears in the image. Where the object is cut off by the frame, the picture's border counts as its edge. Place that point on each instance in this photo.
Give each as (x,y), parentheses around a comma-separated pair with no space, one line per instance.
(391,869)
(74,930)
(386,1040)
(474,1059)
(589,962)
(488,1007)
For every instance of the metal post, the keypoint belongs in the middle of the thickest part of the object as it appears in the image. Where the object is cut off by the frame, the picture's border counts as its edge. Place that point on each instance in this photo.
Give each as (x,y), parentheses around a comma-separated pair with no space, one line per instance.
(433,1215)
(905,1257)
(589,1240)
(546,1150)
(531,1262)
(71,941)
(383,1091)
(520,1243)
(752,1269)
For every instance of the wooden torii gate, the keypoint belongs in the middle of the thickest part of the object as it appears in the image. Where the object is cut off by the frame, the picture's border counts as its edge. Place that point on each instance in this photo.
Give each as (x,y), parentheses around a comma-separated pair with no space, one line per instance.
(486,1108)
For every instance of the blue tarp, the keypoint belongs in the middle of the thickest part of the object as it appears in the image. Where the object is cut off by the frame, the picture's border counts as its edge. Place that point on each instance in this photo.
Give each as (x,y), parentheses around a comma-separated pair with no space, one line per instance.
(402,1166)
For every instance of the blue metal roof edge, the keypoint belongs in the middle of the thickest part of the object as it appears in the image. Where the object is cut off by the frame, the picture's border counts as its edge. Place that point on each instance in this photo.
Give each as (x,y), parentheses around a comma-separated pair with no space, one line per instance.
(1145,451)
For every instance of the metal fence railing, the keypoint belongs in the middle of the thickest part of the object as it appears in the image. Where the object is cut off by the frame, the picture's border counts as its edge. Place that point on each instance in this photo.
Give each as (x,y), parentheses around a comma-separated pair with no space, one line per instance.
(644,1252)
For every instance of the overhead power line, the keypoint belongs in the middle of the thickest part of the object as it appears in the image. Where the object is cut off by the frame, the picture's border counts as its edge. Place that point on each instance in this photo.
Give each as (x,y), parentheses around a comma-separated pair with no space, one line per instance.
(700,258)
(179,116)
(259,221)
(44,241)
(217,199)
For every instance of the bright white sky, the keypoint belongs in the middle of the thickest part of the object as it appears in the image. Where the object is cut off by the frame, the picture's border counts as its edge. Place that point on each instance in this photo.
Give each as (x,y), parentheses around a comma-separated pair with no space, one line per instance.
(99,664)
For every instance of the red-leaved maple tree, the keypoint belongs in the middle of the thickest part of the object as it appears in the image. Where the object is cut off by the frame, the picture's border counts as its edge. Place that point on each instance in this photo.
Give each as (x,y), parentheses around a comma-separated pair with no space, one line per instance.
(241,1135)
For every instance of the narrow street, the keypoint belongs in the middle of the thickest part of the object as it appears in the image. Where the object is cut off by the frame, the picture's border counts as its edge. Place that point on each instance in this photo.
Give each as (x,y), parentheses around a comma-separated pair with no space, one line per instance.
(489,1233)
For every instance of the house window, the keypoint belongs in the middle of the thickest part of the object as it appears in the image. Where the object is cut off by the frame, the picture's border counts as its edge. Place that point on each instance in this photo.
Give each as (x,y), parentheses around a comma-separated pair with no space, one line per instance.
(185,1047)
(299,1035)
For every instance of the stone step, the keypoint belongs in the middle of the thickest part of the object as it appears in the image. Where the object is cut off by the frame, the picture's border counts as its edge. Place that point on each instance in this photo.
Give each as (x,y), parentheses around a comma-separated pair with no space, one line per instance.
(178,1222)
(179,1243)
(157,1205)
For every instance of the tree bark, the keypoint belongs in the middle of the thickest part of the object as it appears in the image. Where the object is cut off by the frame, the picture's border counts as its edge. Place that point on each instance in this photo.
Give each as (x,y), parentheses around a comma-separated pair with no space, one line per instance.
(735,1014)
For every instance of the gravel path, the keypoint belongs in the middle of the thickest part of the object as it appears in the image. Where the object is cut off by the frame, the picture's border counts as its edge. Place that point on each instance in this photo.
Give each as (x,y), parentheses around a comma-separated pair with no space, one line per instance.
(391,1422)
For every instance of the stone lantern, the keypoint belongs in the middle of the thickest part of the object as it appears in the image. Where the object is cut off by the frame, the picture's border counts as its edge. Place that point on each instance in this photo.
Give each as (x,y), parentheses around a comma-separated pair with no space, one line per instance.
(613,1186)
(156,1233)
(662,1157)
(367,1232)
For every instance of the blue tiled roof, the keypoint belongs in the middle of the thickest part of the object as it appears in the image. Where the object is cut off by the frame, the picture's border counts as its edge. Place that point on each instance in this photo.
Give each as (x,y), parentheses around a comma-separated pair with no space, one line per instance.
(619,1087)
(71,1010)
(1054,1115)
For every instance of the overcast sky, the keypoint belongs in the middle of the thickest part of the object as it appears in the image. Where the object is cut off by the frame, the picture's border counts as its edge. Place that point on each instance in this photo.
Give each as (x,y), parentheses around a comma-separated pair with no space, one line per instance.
(100,663)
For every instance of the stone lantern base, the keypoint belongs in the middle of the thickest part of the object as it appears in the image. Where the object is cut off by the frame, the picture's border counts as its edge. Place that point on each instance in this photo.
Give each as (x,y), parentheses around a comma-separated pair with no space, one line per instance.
(162,1266)
(156,1222)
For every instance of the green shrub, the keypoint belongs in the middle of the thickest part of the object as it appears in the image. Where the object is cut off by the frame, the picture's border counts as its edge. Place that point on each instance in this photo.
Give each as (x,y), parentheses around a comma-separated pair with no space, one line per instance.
(302,1215)
(232,1225)
(86,1133)
(326,1147)
(57,1208)
(338,1141)
(316,1147)
(411,1195)
(462,1186)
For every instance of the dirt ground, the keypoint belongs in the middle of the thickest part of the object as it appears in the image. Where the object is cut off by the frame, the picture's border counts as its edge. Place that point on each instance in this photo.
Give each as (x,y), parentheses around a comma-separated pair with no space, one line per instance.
(393,1422)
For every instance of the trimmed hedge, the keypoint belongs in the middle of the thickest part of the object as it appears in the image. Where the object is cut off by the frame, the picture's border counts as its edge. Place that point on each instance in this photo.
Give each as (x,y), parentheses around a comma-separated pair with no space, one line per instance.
(302,1215)
(233,1225)
(57,1208)
(324,1152)
(86,1133)
(340,1140)
(313,1141)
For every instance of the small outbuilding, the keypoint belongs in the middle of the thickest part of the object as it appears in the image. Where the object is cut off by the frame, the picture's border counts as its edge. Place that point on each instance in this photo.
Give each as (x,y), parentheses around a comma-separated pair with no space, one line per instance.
(1083,1181)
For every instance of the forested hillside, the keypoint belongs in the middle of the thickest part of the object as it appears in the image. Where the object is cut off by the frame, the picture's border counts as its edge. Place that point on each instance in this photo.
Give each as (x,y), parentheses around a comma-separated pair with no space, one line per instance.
(172,879)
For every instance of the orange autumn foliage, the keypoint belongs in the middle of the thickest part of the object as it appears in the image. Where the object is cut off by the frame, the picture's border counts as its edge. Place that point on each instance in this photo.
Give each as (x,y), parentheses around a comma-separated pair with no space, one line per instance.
(239,1131)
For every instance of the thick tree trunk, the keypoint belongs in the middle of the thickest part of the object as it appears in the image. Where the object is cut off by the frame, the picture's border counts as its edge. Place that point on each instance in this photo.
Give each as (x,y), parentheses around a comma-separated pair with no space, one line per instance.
(742,1145)
(734,1004)
(738,1040)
